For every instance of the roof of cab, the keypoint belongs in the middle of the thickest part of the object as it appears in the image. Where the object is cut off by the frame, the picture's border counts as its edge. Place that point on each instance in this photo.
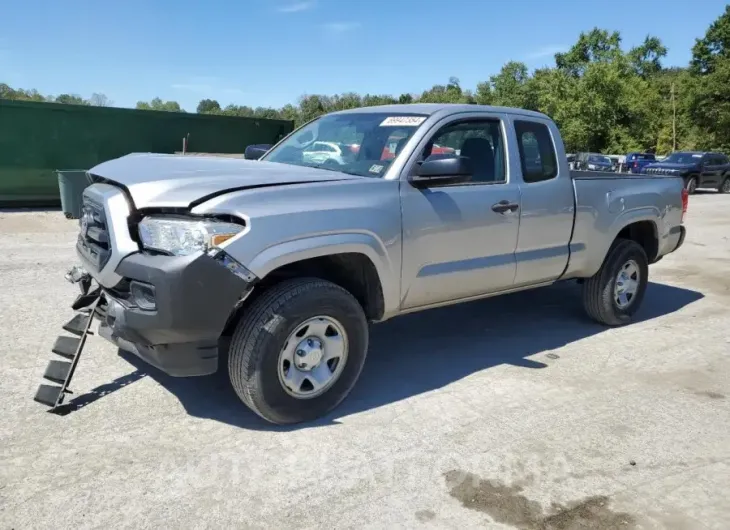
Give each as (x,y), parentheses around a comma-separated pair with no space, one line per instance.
(441,108)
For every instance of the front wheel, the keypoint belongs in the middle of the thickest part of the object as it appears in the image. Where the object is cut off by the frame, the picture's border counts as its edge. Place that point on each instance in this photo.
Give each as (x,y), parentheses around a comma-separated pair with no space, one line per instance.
(298,351)
(614,293)
(691,185)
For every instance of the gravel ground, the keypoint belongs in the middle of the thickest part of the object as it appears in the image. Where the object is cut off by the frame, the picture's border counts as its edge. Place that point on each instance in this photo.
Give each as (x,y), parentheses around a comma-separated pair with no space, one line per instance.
(510,412)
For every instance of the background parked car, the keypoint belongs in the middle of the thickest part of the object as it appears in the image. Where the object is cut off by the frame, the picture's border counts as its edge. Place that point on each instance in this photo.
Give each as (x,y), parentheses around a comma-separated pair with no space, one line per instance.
(635,162)
(321,152)
(593,162)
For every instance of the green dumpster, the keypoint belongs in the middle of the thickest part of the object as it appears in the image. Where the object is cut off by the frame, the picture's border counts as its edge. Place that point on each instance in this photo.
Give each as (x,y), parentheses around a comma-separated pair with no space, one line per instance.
(71,185)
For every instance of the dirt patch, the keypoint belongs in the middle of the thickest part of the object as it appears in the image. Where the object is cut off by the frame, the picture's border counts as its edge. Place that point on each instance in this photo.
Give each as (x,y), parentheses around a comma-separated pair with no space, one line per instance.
(425,515)
(507,505)
(711,395)
(592,512)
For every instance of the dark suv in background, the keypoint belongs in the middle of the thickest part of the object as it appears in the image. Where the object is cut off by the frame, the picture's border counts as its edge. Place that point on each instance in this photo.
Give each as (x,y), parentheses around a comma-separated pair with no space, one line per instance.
(698,169)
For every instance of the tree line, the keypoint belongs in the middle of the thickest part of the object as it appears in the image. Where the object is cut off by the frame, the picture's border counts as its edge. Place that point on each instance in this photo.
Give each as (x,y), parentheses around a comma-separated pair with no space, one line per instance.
(603,98)
(97,100)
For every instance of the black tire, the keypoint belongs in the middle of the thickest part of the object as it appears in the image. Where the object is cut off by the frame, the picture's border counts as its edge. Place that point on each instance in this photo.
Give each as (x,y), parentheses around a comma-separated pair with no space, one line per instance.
(724,187)
(598,290)
(691,185)
(260,335)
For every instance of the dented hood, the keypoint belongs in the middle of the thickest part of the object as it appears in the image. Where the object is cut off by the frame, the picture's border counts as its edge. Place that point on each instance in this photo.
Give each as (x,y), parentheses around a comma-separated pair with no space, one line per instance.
(158,180)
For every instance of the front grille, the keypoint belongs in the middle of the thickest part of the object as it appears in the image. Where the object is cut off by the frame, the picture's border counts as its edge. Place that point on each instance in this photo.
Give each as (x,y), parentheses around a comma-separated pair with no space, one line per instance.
(93,241)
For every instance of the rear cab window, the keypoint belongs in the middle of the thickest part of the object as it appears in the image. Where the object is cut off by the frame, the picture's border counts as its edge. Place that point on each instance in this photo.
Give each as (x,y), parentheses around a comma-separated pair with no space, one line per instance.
(537,152)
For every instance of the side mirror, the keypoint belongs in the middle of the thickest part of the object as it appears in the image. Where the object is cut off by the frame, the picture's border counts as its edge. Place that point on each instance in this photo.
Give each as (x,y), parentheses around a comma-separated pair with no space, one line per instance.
(256,151)
(438,171)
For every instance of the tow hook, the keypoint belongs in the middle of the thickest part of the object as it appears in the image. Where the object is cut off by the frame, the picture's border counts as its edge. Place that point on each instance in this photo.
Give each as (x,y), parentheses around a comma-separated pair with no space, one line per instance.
(79,276)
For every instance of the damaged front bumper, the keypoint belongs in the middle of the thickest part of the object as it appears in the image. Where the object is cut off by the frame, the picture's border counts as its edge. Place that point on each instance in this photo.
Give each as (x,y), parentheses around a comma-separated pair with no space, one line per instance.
(171,310)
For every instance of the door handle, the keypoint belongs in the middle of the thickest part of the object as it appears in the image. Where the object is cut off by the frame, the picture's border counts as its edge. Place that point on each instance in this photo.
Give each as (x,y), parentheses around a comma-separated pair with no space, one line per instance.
(505,207)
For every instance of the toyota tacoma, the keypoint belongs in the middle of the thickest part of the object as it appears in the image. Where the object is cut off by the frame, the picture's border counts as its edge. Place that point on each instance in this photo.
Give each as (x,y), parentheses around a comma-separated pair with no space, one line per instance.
(279,265)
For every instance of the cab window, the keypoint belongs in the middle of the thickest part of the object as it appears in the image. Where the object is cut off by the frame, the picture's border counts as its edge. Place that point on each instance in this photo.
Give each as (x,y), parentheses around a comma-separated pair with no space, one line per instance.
(478,140)
(537,152)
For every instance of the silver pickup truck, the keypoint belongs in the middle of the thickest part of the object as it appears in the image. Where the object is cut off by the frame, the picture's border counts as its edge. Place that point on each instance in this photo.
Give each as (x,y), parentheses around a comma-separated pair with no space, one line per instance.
(279,264)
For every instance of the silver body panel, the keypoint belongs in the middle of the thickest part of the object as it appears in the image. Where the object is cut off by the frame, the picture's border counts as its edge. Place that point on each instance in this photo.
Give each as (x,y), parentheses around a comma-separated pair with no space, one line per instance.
(172,181)
(117,210)
(607,205)
(430,247)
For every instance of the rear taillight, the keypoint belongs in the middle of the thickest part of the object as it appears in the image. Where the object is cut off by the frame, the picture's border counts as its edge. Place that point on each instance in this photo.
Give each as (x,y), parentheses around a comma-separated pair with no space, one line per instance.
(636,165)
(685,203)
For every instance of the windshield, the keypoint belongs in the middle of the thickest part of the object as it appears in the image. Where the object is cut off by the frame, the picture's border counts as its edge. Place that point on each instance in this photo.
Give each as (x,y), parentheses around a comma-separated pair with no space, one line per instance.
(363,144)
(599,159)
(683,158)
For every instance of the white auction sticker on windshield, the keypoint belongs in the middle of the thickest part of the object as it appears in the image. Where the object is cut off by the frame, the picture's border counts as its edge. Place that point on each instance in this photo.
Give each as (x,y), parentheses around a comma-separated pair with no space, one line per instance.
(696,156)
(407,121)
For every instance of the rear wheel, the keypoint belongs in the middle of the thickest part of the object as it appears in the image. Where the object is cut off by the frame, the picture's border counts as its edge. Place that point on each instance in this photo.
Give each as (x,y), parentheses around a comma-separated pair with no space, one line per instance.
(725,186)
(691,185)
(298,351)
(615,292)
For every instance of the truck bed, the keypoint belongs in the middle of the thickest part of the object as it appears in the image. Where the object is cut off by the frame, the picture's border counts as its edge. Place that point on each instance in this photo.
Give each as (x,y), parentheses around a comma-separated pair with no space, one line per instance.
(603,201)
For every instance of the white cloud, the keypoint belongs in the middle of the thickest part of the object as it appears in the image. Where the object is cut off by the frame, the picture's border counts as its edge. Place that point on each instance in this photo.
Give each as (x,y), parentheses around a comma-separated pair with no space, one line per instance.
(297,7)
(546,51)
(341,27)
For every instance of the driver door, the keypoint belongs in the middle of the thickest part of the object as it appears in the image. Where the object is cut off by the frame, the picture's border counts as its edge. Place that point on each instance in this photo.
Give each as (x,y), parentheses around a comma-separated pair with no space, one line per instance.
(458,242)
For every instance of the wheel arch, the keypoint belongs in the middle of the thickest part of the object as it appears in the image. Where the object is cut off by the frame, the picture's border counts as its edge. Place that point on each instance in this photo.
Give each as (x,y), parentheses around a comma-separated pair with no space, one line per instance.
(353,271)
(637,225)
(640,225)
(355,262)
(697,178)
(645,233)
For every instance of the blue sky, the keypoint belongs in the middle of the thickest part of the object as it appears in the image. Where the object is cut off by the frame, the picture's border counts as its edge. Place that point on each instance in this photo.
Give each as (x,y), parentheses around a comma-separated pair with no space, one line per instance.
(269,52)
